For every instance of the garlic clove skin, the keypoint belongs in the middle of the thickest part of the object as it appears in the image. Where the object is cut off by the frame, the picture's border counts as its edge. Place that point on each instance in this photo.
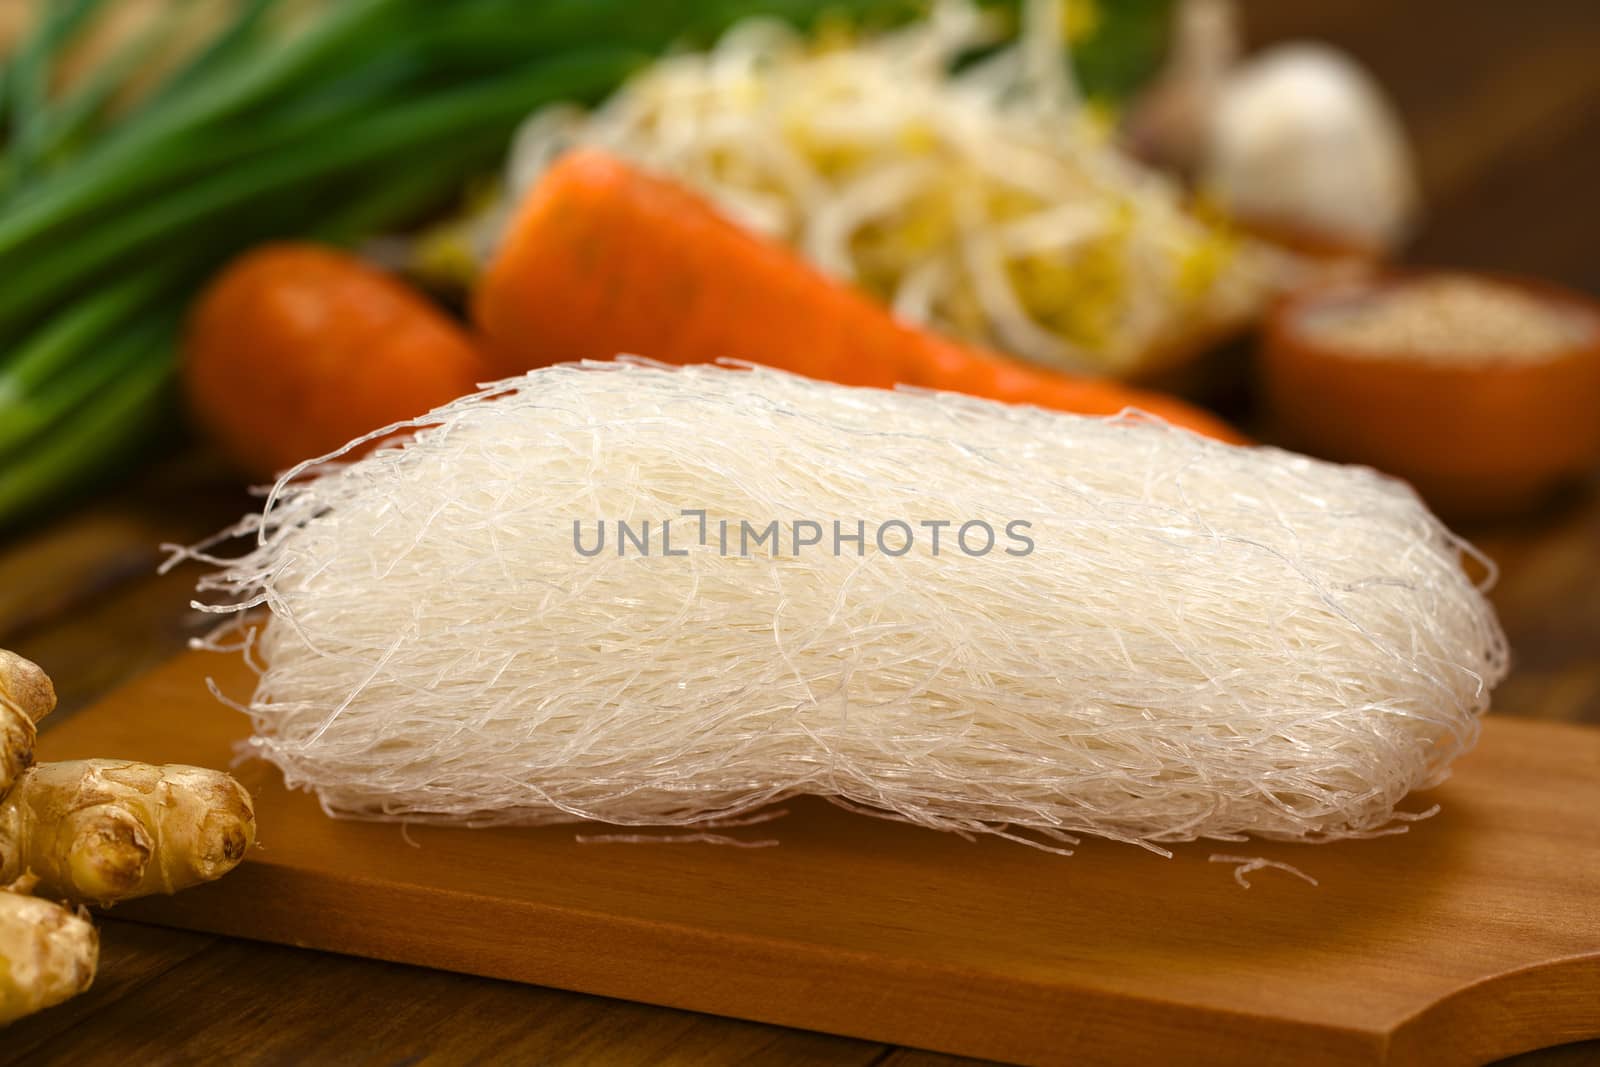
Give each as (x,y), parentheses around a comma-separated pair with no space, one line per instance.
(1303,140)
(1171,119)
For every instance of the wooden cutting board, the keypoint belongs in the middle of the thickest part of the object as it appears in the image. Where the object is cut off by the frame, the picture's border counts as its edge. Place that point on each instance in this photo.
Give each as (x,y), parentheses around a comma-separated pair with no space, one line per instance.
(1475,936)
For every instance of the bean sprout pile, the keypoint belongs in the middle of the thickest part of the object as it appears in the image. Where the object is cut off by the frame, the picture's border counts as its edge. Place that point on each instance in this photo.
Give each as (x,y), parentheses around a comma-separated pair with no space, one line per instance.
(985,199)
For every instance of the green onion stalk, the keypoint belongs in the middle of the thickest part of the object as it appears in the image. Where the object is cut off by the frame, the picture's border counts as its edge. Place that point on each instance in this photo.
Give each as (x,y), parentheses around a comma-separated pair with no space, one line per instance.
(334,120)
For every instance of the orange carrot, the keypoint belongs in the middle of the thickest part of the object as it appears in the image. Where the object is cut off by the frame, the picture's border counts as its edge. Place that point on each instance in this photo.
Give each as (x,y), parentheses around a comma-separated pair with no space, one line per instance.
(296,349)
(603,259)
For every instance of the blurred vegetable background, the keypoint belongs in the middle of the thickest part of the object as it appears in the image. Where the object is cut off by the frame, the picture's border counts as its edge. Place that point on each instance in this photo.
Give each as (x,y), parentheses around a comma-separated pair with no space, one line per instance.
(200,129)
(1101,189)
(603,258)
(963,176)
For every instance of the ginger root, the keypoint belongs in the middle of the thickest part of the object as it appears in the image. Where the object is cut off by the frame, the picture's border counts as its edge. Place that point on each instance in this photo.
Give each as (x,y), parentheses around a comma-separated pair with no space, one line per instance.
(92,832)
(48,953)
(24,685)
(26,696)
(100,831)
(17,735)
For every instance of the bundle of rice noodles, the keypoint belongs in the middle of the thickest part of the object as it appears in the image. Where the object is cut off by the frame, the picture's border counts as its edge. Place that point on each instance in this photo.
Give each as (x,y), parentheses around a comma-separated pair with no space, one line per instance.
(670,597)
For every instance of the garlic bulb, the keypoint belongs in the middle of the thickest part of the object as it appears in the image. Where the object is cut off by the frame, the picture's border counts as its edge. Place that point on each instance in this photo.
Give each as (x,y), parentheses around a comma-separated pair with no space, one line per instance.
(1302,139)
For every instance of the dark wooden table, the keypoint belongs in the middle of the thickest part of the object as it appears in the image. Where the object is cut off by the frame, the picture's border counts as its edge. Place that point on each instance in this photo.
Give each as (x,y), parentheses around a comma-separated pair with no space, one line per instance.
(1502,100)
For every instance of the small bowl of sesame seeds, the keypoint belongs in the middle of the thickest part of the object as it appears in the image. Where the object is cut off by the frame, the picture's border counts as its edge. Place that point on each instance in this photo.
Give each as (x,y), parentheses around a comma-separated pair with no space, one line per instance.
(1482,391)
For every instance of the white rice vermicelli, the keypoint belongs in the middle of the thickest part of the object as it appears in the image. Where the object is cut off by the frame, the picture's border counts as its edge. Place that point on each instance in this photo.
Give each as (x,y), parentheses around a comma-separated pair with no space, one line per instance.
(1203,641)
